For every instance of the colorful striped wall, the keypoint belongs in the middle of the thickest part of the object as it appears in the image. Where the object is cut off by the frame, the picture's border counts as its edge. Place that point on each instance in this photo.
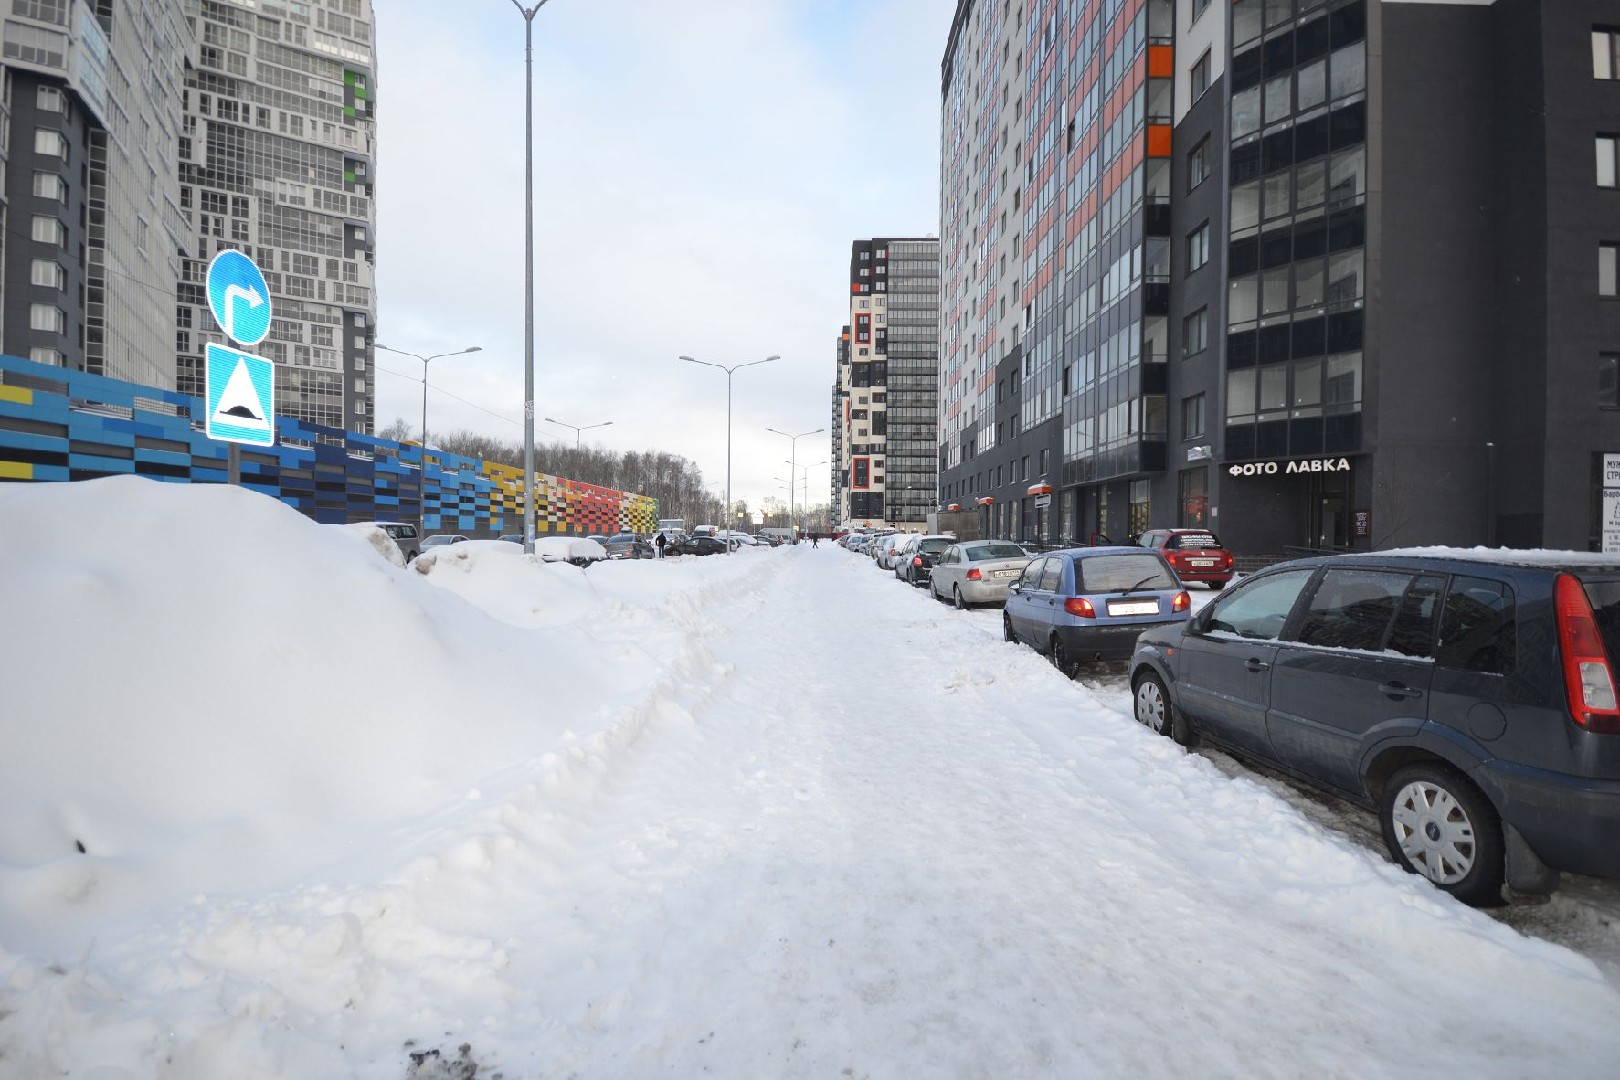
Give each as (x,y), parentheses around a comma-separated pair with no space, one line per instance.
(57,424)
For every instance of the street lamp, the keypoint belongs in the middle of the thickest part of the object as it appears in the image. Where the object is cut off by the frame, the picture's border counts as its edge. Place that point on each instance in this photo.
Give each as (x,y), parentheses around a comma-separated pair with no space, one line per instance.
(528,14)
(793,452)
(425,359)
(805,480)
(730,371)
(578,431)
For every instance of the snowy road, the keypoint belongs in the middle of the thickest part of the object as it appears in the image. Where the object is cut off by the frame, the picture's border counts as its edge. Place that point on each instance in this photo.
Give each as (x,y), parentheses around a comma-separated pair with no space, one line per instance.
(768,815)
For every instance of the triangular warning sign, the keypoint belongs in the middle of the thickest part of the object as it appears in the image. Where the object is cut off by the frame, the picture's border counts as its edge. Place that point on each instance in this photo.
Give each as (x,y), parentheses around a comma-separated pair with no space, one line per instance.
(239,405)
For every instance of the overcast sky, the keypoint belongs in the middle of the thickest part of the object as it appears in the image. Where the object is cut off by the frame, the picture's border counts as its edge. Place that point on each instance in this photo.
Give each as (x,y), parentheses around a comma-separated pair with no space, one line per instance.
(701,168)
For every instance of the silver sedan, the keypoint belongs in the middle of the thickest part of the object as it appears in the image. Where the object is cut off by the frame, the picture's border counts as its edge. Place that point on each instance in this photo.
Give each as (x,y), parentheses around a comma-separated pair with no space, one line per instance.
(977,572)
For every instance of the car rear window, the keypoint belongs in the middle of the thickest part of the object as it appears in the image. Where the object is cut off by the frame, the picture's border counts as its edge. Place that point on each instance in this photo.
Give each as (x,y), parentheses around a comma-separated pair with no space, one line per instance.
(1604,596)
(1193,540)
(932,546)
(1112,573)
(981,552)
(623,538)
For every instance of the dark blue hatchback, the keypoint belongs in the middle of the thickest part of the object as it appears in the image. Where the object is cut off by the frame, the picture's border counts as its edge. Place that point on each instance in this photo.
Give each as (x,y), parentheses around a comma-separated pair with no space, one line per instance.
(1468,696)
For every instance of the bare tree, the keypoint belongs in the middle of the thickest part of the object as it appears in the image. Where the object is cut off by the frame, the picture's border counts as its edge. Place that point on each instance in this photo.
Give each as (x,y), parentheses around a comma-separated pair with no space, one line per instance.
(399,431)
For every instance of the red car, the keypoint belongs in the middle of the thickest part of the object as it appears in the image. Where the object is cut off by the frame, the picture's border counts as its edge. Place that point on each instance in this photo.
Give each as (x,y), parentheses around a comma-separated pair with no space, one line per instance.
(1196,554)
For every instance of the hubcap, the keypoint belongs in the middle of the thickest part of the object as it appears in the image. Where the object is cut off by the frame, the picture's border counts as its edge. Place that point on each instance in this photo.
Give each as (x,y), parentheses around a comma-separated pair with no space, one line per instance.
(1150,705)
(1434,832)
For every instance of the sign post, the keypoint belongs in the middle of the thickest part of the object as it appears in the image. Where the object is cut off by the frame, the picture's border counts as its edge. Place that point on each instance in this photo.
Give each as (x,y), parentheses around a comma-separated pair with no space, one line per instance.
(239,387)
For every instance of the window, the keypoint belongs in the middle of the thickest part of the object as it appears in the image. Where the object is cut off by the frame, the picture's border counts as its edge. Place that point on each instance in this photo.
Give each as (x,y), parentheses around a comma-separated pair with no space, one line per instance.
(1200,75)
(1198,247)
(1192,417)
(50,143)
(1606,54)
(50,186)
(1198,163)
(1259,610)
(1199,7)
(1606,160)
(1477,630)
(1609,380)
(48,274)
(1195,332)
(1193,497)
(1608,266)
(1353,609)
(45,356)
(48,99)
(47,230)
(47,317)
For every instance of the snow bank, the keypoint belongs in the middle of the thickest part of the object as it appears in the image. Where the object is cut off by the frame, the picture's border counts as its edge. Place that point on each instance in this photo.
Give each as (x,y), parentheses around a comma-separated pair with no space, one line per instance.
(208,692)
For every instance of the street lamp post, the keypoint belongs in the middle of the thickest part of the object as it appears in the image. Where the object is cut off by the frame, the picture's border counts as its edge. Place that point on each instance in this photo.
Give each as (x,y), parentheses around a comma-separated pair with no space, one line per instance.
(730,371)
(578,431)
(528,271)
(425,359)
(805,500)
(793,453)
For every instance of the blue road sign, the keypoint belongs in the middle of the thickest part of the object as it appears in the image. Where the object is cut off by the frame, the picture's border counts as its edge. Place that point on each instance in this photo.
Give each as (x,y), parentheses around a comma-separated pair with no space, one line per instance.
(240,397)
(238,297)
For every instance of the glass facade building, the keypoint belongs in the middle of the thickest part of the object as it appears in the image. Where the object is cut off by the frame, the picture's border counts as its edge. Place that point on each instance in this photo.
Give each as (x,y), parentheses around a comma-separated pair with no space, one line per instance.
(276,159)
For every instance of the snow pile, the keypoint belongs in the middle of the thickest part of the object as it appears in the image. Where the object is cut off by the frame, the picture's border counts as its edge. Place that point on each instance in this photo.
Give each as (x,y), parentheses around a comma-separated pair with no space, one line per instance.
(770,814)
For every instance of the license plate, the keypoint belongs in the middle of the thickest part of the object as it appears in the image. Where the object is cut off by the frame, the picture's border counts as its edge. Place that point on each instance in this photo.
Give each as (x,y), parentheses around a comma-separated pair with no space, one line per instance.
(1133,607)
(1006,573)
(1203,562)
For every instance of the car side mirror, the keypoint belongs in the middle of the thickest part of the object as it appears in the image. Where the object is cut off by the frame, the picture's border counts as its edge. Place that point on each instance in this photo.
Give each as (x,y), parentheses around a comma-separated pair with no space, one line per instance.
(1016,587)
(1199,623)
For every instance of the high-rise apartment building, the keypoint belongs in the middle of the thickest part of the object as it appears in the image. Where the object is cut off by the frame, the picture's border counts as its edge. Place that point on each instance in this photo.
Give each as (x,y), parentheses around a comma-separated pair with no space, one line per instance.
(1314,273)
(276,159)
(89,128)
(888,390)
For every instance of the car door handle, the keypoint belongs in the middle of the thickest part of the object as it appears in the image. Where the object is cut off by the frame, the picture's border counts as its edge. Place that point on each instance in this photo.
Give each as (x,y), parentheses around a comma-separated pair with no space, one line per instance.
(1400,690)
(1257,665)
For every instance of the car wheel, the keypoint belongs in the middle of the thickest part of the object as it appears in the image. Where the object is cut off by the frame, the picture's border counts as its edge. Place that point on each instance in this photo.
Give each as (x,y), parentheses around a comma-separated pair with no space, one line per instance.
(1153,709)
(956,598)
(1006,629)
(1216,586)
(1439,825)
(1061,660)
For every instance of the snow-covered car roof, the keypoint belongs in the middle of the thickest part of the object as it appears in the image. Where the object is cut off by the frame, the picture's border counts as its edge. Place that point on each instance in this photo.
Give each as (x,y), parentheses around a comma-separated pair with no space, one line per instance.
(562,548)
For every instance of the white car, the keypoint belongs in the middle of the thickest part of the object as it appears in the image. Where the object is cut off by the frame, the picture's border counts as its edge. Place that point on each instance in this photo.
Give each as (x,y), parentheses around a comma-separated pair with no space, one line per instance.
(574,550)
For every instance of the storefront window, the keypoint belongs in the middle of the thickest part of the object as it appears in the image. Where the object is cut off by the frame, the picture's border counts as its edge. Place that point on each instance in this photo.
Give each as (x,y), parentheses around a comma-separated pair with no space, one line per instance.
(1141,507)
(1194,498)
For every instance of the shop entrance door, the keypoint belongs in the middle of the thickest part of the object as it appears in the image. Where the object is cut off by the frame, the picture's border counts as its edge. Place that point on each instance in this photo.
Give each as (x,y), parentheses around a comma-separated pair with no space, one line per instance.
(1330,511)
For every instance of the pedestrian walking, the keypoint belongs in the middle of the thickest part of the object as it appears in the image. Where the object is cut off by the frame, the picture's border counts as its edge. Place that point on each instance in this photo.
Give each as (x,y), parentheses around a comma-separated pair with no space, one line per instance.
(660,545)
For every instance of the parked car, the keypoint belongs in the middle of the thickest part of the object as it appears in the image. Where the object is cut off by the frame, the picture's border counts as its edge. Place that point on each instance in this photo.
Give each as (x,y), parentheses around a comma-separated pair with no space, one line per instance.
(629,546)
(574,550)
(977,572)
(888,549)
(441,539)
(1084,605)
(696,545)
(404,535)
(511,538)
(1467,697)
(916,560)
(1194,554)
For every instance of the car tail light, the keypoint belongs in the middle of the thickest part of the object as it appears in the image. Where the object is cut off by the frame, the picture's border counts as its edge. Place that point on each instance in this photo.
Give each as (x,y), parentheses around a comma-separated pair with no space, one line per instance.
(1079,605)
(974,575)
(1181,602)
(916,560)
(1588,676)
(1226,560)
